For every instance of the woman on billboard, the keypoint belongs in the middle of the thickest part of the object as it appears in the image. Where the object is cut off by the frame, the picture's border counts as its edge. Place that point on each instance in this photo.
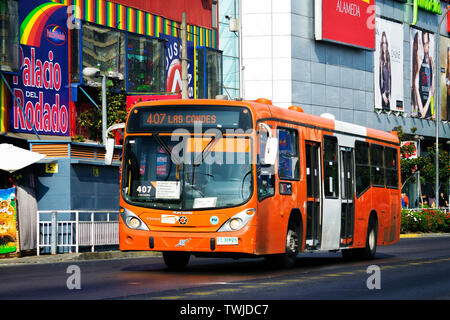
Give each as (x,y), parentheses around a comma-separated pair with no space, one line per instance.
(447,83)
(385,73)
(426,83)
(416,59)
(422,90)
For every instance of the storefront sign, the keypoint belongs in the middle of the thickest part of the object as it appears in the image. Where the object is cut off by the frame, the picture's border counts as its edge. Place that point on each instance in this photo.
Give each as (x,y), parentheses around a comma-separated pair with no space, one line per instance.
(350,22)
(173,65)
(430,5)
(42,87)
(433,6)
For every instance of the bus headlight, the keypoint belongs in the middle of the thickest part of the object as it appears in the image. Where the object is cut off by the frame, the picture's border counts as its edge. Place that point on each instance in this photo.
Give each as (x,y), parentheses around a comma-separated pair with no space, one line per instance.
(132,220)
(238,221)
(235,223)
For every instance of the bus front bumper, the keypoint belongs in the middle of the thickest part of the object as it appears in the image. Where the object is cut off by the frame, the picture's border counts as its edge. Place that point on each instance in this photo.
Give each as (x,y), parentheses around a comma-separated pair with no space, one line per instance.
(242,241)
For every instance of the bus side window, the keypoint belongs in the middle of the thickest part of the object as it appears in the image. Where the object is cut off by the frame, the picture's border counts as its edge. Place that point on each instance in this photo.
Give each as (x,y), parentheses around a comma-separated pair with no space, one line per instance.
(376,163)
(362,169)
(390,160)
(288,164)
(265,173)
(331,168)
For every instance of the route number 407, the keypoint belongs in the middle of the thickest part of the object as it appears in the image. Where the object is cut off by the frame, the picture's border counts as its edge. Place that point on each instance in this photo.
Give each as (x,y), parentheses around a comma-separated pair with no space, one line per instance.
(144,189)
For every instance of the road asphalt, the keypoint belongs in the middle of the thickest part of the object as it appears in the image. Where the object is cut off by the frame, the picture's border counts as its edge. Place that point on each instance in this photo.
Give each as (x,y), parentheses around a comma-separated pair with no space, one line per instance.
(117,254)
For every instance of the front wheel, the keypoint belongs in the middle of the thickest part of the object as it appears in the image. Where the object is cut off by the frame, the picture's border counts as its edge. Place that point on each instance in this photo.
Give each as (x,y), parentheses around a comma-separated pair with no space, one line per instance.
(176,261)
(287,259)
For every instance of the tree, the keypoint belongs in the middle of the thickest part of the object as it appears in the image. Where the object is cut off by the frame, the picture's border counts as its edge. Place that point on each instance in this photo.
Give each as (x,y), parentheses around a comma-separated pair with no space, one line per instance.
(92,119)
(425,164)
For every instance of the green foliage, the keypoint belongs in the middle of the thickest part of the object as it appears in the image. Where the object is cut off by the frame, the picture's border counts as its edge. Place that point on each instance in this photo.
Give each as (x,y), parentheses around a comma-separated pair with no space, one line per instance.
(425,220)
(92,119)
(426,165)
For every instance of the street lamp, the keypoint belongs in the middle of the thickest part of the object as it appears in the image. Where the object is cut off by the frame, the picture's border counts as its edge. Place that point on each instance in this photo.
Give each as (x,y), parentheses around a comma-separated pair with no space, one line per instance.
(95,72)
(438,100)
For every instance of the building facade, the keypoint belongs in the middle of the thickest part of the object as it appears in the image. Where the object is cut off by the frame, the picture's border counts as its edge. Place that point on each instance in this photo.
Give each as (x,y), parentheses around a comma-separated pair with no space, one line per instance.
(369,62)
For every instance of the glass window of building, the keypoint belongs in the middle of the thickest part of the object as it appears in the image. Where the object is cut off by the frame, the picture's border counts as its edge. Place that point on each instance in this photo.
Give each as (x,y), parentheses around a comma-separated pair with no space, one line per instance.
(214,65)
(209,73)
(9,35)
(145,59)
(103,48)
(75,55)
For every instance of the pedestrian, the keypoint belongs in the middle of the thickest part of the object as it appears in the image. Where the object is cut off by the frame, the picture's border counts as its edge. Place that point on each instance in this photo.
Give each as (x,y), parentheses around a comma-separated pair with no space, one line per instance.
(442,200)
(405,201)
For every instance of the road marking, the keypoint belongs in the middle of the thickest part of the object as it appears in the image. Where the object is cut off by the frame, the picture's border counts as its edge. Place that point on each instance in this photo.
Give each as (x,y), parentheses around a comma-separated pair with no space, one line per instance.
(273,283)
(227,290)
(168,298)
(250,286)
(204,293)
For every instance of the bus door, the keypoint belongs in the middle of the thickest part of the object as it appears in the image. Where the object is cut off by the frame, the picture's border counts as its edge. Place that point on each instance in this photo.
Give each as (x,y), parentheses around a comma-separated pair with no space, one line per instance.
(347,196)
(313,180)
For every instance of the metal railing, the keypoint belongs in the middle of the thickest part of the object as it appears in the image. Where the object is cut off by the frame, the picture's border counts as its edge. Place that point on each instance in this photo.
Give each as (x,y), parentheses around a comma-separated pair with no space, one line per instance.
(70,229)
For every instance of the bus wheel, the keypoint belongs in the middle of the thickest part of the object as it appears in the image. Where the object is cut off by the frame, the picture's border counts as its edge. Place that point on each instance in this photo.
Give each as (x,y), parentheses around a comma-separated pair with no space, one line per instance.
(287,259)
(176,261)
(369,251)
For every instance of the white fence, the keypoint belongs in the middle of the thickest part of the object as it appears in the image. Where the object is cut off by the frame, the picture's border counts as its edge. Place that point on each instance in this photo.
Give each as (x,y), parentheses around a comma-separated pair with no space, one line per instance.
(70,229)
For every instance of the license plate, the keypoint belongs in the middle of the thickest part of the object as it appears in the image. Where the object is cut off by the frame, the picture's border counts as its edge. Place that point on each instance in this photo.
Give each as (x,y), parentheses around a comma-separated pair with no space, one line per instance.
(227,240)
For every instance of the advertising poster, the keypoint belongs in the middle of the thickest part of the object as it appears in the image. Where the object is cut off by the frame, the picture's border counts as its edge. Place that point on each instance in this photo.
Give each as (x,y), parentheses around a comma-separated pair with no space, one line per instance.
(173,65)
(388,65)
(42,86)
(422,73)
(350,22)
(445,79)
(8,231)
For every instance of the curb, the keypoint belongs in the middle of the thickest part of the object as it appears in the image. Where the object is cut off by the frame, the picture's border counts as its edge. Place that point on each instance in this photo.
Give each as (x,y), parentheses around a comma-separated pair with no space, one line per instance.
(84,256)
(423,235)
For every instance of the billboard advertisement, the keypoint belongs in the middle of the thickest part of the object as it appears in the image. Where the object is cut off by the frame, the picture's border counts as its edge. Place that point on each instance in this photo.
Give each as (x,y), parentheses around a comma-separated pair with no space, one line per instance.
(350,22)
(388,65)
(445,78)
(173,65)
(42,86)
(422,73)
(8,222)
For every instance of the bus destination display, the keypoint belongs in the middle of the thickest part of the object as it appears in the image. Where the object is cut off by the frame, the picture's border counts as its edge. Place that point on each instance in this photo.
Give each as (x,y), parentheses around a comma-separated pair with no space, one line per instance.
(145,119)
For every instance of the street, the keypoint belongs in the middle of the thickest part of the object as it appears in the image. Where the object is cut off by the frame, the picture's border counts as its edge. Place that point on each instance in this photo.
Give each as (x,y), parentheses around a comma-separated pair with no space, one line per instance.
(414,268)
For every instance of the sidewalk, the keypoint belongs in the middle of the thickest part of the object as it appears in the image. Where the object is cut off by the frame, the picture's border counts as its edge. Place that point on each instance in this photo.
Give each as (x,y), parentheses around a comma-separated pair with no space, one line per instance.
(81,256)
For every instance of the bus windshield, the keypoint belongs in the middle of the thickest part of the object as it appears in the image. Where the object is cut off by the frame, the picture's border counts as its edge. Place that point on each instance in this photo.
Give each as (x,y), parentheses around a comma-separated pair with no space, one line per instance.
(211,172)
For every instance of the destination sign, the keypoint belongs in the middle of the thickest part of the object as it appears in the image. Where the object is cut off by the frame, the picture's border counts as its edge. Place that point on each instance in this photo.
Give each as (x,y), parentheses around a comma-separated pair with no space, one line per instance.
(143,119)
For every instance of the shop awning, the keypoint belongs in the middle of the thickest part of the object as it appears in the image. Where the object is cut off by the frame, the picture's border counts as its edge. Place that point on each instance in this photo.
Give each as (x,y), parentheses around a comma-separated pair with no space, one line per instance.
(13,158)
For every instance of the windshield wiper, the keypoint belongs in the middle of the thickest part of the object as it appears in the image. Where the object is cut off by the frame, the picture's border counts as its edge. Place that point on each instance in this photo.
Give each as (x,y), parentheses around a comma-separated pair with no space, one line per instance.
(208,149)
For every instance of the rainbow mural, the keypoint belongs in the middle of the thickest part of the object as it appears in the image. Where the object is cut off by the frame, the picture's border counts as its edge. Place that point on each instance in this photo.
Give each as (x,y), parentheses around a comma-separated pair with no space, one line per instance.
(32,27)
(125,18)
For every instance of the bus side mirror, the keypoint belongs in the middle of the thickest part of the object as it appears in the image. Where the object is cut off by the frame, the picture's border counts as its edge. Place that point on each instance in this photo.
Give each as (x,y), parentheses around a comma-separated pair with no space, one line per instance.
(109,151)
(110,143)
(270,154)
(271,150)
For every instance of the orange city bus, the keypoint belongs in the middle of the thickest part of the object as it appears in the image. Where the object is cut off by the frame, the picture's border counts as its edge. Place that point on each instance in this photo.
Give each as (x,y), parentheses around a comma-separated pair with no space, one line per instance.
(246,178)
